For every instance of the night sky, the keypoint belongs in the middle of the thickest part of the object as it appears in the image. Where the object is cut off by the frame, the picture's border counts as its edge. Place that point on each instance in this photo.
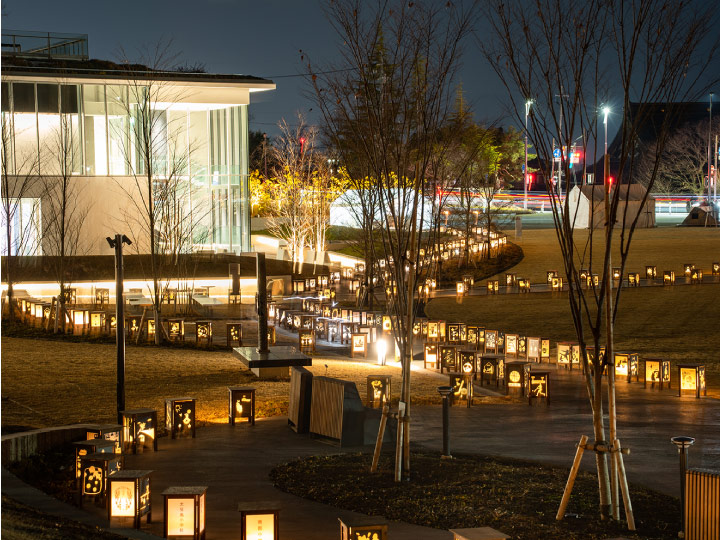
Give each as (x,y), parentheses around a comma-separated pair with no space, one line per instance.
(261,38)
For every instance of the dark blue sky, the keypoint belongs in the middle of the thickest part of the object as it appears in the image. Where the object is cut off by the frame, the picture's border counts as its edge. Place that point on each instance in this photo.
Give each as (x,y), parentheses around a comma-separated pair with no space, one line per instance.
(261,38)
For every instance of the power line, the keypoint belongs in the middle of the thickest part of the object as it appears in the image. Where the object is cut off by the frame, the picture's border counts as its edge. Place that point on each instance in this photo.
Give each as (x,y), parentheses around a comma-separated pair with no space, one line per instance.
(306,74)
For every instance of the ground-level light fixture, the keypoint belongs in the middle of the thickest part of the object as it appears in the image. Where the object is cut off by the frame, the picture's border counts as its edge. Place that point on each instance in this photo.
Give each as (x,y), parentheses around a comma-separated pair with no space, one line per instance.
(108,432)
(378,390)
(94,472)
(241,405)
(691,379)
(539,386)
(203,333)
(363,528)
(91,446)
(657,371)
(358,345)
(650,272)
(140,429)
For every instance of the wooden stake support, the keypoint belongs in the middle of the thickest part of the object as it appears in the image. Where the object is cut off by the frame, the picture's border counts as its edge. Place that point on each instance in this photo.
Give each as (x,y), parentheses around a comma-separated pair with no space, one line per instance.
(380,435)
(622,479)
(571,479)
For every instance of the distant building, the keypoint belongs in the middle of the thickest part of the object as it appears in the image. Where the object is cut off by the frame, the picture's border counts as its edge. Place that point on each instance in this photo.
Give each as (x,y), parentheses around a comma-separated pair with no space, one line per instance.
(202,120)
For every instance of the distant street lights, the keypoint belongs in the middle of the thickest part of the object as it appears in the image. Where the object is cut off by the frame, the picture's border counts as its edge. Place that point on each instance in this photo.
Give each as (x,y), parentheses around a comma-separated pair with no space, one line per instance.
(528,105)
(606,167)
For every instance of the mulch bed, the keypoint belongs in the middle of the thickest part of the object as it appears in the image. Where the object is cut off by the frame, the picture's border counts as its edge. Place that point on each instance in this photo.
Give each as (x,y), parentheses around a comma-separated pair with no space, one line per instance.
(516,497)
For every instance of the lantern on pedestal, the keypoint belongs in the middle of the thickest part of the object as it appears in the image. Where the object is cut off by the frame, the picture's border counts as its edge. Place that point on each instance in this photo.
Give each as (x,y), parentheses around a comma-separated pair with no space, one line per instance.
(139,429)
(533,349)
(185,512)
(511,345)
(687,269)
(460,289)
(456,333)
(369,528)
(510,280)
(241,405)
(492,368)
(691,379)
(258,521)
(129,494)
(668,277)
(616,273)
(493,286)
(716,269)
(556,284)
(633,279)
(491,341)
(378,390)
(650,272)
(657,371)
(545,350)
(466,361)
(564,354)
(551,274)
(180,417)
(696,275)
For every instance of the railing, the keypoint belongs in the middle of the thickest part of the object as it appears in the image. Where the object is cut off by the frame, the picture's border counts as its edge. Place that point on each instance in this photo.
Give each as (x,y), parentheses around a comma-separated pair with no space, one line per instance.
(45,44)
(702,504)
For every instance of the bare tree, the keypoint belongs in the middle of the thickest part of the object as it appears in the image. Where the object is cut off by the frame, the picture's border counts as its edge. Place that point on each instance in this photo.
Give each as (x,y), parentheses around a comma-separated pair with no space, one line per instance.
(682,163)
(21,195)
(392,89)
(303,189)
(65,212)
(572,59)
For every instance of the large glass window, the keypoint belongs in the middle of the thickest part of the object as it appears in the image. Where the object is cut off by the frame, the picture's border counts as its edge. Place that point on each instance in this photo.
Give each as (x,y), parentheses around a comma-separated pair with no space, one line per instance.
(198,140)
(118,129)
(95,130)
(24,228)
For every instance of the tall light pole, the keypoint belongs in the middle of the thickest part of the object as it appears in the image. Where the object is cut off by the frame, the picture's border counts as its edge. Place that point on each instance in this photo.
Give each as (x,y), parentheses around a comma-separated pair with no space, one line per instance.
(606,112)
(709,145)
(528,104)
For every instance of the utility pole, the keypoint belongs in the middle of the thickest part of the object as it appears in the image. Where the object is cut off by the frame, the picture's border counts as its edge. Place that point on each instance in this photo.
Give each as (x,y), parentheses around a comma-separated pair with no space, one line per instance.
(709,153)
(560,139)
(528,104)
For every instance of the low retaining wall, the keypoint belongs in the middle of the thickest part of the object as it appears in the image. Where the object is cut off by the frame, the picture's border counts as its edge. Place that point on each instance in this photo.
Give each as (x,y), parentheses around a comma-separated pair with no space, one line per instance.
(18,446)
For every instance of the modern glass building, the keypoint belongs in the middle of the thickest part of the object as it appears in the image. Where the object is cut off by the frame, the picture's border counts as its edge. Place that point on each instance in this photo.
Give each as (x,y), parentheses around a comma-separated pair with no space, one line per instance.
(118,129)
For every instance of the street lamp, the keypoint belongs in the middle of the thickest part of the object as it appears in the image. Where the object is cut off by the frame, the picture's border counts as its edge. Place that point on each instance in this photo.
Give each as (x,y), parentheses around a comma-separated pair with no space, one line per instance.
(606,112)
(528,105)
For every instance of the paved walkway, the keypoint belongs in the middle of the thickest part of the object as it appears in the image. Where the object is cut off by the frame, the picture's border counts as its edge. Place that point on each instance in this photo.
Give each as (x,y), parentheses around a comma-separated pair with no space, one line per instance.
(235,461)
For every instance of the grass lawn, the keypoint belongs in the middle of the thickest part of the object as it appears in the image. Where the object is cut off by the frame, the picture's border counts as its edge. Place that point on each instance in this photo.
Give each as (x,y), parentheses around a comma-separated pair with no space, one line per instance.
(50,383)
(667,248)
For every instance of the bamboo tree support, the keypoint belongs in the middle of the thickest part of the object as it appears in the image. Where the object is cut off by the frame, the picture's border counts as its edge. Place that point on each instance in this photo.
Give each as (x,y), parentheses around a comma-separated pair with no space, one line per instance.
(53,309)
(622,480)
(380,435)
(142,325)
(399,443)
(571,479)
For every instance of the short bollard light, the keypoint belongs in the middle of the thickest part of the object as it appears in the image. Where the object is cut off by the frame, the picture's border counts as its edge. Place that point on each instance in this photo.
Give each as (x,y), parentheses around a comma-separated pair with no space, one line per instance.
(242,404)
(259,521)
(129,494)
(682,443)
(139,429)
(180,417)
(185,512)
(445,392)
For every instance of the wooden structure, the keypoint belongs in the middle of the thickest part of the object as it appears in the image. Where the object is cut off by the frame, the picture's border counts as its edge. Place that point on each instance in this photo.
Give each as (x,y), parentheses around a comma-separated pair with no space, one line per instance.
(300,399)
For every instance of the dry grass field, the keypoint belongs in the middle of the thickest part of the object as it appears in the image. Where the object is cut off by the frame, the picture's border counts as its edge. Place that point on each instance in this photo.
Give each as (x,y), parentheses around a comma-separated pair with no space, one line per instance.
(667,248)
(47,383)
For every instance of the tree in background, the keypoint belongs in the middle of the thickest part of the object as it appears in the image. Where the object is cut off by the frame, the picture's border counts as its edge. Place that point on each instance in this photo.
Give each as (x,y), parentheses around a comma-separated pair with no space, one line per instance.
(620,52)
(21,192)
(390,94)
(302,189)
(66,210)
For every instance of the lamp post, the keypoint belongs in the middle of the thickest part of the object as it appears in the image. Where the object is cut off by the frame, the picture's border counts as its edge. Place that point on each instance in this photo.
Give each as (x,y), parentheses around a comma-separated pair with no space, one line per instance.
(682,443)
(709,155)
(117,244)
(606,112)
(528,105)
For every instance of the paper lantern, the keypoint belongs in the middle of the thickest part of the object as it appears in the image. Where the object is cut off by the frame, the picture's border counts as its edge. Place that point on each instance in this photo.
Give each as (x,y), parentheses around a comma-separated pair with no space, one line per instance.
(492,368)
(460,288)
(493,286)
(691,379)
(633,279)
(241,404)
(510,280)
(491,341)
(378,390)
(370,528)
(102,297)
(91,446)
(448,358)
(466,361)
(627,366)
(716,269)
(456,332)
(511,345)
(139,429)
(107,432)
(298,286)
(358,345)
(462,388)
(650,272)
(94,472)
(129,497)
(258,521)
(668,277)
(185,512)
(234,334)
(430,359)
(203,332)
(539,387)
(657,371)
(517,375)
(180,417)
(616,273)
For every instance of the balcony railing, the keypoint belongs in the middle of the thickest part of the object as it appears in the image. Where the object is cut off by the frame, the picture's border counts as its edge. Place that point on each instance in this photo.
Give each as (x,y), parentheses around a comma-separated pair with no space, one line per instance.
(45,44)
